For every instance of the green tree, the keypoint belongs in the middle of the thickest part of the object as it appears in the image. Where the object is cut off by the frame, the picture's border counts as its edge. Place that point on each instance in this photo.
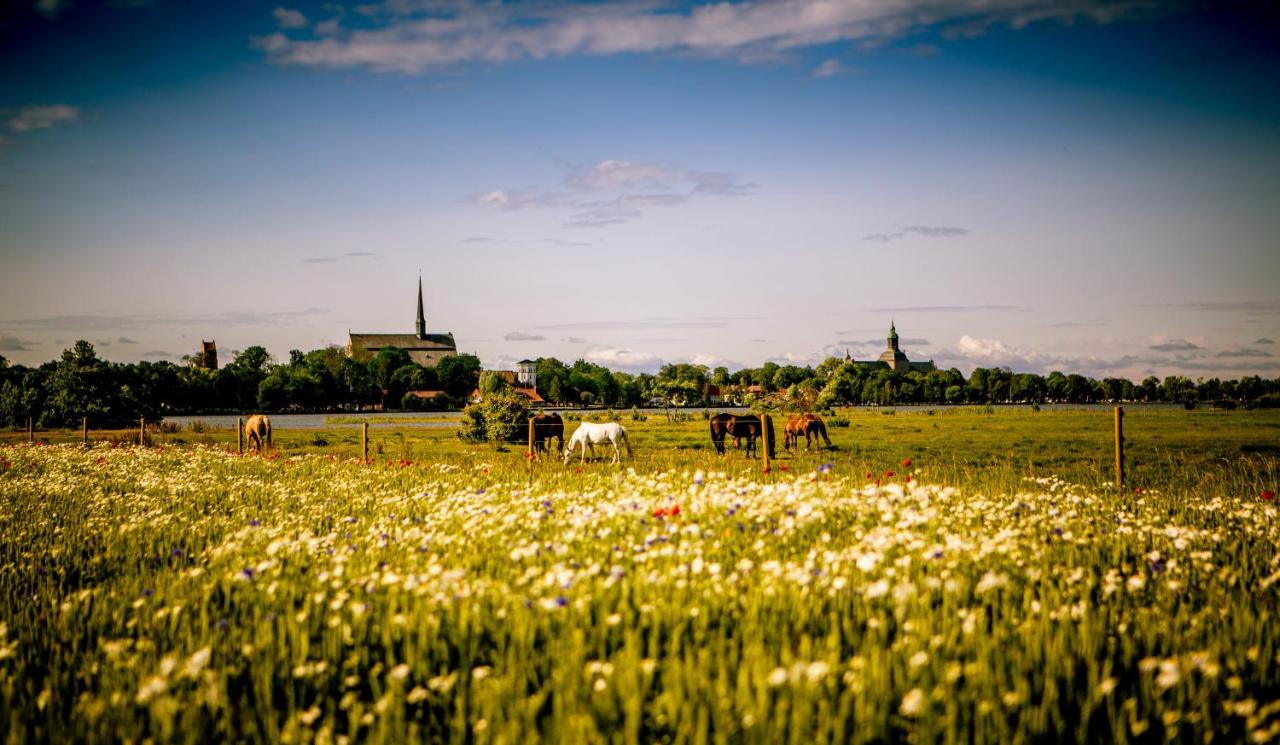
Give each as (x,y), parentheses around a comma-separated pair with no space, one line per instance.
(459,375)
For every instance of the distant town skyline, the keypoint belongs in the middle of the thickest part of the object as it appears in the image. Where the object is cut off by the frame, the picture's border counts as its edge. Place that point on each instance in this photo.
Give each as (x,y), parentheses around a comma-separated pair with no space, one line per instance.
(1082,186)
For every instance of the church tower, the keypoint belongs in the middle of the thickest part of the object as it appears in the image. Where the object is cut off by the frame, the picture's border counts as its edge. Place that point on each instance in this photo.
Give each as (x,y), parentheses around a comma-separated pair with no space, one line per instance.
(892,355)
(421,326)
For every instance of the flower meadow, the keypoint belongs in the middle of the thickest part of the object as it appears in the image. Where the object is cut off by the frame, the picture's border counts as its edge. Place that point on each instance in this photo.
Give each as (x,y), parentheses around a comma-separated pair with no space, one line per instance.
(184,594)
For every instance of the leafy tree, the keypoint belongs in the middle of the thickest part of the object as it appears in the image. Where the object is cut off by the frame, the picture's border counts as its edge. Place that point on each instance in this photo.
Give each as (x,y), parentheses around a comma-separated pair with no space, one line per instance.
(79,386)
(498,418)
(459,375)
(493,383)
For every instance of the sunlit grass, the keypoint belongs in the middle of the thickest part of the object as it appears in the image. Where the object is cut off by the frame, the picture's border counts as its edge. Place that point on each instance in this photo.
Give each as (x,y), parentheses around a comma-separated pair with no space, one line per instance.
(1006,592)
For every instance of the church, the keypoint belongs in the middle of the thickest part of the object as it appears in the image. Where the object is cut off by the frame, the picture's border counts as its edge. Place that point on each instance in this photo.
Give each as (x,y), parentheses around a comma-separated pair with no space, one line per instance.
(423,348)
(894,358)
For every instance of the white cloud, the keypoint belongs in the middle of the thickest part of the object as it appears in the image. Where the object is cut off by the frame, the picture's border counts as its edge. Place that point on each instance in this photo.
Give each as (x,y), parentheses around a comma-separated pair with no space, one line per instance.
(992,351)
(830,68)
(32,118)
(621,358)
(523,336)
(289,18)
(616,191)
(415,37)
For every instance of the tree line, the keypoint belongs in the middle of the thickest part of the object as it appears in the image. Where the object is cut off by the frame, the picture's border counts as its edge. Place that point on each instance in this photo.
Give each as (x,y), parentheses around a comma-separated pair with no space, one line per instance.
(79,384)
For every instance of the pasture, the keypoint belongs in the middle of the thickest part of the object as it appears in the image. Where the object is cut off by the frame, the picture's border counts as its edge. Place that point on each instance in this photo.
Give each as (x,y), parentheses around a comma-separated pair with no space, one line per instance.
(946,575)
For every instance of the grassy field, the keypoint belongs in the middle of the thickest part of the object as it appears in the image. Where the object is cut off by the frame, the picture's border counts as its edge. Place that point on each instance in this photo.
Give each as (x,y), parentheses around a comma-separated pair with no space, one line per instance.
(952,575)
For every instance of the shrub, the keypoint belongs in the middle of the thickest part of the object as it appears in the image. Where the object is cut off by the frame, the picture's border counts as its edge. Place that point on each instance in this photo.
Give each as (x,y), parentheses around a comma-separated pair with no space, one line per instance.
(838,421)
(636,416)
(499,418)
(198,427)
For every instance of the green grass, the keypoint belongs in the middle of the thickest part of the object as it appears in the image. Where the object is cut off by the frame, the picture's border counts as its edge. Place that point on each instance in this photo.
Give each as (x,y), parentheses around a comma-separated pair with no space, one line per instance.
(1008,592)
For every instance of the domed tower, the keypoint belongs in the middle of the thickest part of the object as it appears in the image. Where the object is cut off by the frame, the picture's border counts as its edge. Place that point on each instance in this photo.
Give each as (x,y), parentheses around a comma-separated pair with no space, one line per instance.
(892,355)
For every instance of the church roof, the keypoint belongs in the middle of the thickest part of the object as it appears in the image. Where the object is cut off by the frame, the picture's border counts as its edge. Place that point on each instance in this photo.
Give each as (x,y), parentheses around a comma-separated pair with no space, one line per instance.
(408,342)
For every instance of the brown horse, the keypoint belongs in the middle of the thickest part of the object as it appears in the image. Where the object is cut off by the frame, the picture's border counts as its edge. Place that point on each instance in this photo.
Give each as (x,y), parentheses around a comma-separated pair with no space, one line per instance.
(545,428)
(745,425)
(809,425)
(257,429)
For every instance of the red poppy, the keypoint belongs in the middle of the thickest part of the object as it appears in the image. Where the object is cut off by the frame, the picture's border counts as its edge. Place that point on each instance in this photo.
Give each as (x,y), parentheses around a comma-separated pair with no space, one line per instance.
(528,455)
(782,468)
(888,474)
(908,479)
(906,463)
(486,470)
(1268,495)
(767,469)
(1137,490)
(870,474)
(675,510)
(577,470)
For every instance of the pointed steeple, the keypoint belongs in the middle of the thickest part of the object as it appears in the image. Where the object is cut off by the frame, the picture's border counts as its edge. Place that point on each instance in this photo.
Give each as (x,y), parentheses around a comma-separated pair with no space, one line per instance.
(422,319)
(893,337)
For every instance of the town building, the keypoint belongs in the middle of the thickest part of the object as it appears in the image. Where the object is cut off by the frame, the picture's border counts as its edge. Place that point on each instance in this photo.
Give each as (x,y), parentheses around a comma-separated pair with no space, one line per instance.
(893,357)
(423,348)
(527,373)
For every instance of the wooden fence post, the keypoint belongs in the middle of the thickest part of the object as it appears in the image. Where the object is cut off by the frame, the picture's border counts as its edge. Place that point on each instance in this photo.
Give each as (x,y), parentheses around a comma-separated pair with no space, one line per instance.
(240,435)
(31,430)
(765,421)
(531,453)
(1119,446)
(84,431)
(364,441)
(142,431)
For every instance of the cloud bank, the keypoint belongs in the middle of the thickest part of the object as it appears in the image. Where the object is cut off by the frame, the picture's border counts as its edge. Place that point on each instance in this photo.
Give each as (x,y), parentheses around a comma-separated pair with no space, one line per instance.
(616,191)
(419,36)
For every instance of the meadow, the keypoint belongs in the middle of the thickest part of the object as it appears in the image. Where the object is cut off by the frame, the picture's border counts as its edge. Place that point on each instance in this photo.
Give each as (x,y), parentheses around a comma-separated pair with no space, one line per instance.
(948,575)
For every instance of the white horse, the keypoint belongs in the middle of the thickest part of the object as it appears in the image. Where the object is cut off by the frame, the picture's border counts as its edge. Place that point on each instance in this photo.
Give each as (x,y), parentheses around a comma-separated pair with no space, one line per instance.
(590,434)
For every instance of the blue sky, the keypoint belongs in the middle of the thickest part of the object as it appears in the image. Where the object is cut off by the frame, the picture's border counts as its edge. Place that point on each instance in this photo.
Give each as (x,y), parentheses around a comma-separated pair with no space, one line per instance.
(1079,185)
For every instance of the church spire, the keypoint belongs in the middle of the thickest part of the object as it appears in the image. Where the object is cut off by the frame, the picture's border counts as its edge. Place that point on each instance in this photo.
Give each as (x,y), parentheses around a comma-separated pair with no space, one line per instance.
(422,319)
(893,337)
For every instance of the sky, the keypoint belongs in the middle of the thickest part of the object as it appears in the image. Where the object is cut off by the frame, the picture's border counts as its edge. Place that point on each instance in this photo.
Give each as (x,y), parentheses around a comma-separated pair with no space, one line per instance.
(1079,185)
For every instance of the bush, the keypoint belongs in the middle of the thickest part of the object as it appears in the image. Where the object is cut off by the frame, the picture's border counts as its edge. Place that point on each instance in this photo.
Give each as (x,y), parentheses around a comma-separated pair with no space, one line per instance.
(499,418)
(636,416)
(838,421)
(198,427)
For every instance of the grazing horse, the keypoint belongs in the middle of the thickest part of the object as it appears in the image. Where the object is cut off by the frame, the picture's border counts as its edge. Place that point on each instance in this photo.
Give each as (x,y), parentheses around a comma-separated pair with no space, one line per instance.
(547,427)
(735,426)
(257,429)
(590,434)
(809,425)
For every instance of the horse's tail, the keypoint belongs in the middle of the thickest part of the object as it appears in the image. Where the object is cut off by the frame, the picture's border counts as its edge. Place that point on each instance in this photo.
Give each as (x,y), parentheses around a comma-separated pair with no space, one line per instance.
(625,440)
(768,426)
(268,423)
